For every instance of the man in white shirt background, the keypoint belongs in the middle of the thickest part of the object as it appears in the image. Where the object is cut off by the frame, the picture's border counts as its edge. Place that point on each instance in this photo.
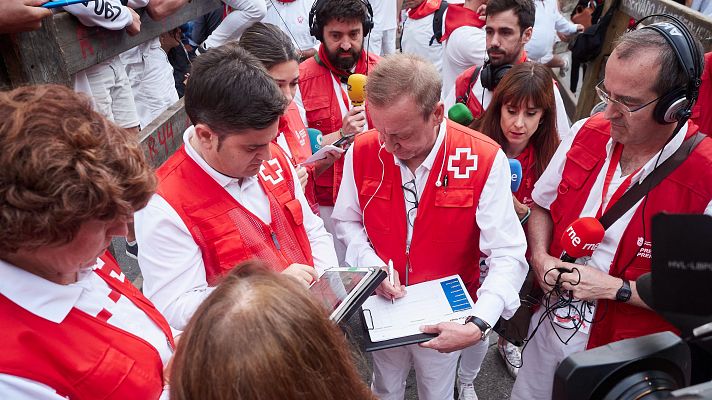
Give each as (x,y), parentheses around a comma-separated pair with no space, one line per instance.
(382,39)
(464,42)
(548,22)
(292,17)
(418,35)
(228,195)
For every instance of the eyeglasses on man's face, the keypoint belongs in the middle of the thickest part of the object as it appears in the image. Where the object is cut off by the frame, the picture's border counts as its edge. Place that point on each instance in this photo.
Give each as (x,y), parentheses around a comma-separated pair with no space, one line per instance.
(621,106)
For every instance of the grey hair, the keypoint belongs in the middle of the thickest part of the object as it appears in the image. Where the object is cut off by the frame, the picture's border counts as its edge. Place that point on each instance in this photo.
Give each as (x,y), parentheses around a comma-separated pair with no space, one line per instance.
(399,75)
(672,74)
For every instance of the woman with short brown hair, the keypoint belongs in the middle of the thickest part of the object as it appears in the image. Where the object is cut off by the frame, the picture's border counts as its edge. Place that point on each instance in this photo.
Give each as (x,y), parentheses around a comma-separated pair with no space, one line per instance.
(73,325)
(260,335)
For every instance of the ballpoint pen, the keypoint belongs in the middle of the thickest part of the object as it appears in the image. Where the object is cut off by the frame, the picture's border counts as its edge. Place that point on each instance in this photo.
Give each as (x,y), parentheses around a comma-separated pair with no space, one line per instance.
(391,278)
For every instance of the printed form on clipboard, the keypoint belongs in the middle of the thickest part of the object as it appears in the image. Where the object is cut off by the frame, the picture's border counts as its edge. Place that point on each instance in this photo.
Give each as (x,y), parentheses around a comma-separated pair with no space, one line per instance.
(431,302)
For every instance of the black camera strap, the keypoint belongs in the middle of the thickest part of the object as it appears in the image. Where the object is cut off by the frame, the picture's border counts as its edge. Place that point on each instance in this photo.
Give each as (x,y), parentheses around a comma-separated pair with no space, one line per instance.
(637,192)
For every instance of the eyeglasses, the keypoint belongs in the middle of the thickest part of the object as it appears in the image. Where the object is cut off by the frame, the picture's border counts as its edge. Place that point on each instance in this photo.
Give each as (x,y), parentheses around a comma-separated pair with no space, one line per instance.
(606,98)
(410,192)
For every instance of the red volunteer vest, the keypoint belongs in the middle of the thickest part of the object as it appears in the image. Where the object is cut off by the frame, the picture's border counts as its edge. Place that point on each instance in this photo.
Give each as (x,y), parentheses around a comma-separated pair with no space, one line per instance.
(295,133)
(702,111)
(688,189)
(462,86)
(226,232)
(445,236)
(323,113)
(83,357)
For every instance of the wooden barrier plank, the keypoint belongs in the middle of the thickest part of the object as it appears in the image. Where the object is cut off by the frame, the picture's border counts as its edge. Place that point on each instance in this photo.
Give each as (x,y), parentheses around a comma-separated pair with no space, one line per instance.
(64,46)
(162,137)
(34,57)
(699,24)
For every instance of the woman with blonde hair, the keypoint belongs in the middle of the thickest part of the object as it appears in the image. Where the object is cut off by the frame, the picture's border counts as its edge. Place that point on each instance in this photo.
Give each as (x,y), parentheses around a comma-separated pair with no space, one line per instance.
(260,335)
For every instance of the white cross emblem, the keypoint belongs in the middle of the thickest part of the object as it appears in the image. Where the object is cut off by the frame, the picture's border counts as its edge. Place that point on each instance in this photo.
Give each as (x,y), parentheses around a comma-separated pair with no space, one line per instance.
(460,166)
(120,276)
(276,175)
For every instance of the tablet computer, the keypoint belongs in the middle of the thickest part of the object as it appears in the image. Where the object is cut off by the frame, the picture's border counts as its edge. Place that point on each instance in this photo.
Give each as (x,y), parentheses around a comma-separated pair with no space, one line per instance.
(343,290)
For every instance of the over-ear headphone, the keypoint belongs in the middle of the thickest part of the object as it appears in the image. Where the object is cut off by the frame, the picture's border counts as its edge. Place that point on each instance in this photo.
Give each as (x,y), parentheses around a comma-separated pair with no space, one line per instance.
(490,75)
(676,105)
(316,30)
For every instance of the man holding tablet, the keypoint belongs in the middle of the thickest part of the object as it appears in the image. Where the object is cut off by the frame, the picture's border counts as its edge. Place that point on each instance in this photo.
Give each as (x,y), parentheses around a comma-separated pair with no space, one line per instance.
(427,194)
(228,195)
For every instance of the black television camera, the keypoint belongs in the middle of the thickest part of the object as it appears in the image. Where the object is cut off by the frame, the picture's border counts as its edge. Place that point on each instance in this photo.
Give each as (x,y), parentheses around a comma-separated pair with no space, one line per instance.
(661,365)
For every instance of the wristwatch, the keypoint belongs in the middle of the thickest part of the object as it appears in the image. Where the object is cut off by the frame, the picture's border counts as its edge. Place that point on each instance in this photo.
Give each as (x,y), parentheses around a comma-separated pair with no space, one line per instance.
(624,292)
(485,328)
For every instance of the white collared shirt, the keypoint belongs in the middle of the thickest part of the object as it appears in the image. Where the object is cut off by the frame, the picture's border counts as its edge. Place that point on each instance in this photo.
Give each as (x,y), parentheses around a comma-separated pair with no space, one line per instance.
(171,261)
(53,302)
(501,236)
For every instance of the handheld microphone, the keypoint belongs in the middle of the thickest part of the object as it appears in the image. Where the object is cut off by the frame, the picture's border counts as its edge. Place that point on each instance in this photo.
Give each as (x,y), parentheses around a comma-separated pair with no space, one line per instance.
(314,139)
(356,87)
(581,238)
(515,168)
(460,114)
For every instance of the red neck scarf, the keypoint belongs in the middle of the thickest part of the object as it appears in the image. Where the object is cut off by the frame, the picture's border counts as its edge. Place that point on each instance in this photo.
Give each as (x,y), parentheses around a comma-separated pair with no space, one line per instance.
(457,15)
(425,8)
(361,64)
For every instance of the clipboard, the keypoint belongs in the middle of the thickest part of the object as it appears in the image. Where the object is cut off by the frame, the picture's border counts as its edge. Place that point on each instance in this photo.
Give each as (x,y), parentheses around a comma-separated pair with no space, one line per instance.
(387,325)
(369,346)
(343,290)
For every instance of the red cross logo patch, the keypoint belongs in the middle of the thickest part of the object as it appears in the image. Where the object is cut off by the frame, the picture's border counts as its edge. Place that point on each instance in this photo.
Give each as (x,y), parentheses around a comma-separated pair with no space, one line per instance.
(462,162)
(274,174)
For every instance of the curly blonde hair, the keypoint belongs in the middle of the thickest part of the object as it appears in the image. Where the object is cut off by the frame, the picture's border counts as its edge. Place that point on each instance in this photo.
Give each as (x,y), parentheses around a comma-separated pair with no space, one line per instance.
(61,165)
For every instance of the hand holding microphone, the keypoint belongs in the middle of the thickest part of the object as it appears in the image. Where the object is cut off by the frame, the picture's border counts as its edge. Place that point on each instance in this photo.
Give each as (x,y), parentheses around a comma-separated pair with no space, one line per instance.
(581,239)
(355,119)
(356,88)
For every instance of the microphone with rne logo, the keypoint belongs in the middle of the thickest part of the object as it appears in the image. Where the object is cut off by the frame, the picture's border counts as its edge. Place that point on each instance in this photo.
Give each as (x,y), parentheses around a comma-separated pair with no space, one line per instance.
(314,139)
(460,114)
(515,168)
(356,86)
(581,239)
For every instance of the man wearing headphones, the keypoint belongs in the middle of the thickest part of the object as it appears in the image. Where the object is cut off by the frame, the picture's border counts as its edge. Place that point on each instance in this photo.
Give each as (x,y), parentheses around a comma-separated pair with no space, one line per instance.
(650,86)
(426,194)
(322,99)
(509,27)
